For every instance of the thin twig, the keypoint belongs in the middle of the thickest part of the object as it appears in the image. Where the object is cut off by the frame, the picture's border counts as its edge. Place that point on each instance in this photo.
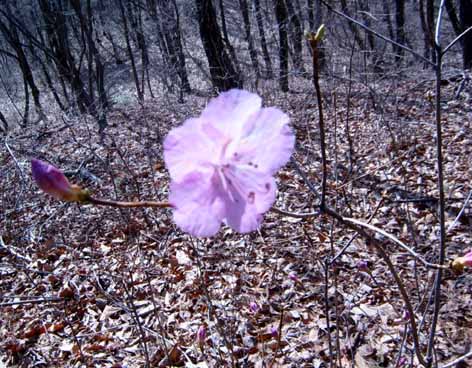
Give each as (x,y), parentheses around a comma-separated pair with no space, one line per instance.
(438,24)
(32,301)
(458,360)
(455,40)
(460,213)
(326,307)
(368,29)
(74,334)
(397,241)
(341,252)
(112,203)
(293,214)
(441,203)
(13,252)
(316,82)
(279,338)
(20,170)
(134,313)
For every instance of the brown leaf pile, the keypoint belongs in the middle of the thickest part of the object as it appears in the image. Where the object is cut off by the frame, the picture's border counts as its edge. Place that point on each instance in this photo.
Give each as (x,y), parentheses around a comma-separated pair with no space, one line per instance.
(104,287)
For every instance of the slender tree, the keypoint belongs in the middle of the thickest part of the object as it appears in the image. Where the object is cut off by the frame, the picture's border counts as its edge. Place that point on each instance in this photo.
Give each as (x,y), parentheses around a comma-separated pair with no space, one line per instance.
(451,12)
(222,70)
(430,27)
(297,35)
(126,32)
(400,27)
(224,29)
(265,51)
(249,39)
(466,22)
(282,20)
(11,35)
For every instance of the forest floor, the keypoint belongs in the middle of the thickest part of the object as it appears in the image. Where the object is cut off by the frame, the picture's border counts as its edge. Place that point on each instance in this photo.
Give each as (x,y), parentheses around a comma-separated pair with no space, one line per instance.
(106,287)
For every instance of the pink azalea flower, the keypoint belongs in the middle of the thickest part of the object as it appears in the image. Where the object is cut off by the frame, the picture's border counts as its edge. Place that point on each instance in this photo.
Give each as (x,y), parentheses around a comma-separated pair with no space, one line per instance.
(51,180)
(222,163)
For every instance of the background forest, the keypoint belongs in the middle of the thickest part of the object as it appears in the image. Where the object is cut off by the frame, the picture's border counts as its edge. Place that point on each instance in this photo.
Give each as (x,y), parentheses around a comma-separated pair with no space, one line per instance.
(350,269)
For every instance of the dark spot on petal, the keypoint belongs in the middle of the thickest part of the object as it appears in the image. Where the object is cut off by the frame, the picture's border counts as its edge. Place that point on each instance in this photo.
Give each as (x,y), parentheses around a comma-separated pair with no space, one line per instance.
(267,186)
(229,182)
(251,197)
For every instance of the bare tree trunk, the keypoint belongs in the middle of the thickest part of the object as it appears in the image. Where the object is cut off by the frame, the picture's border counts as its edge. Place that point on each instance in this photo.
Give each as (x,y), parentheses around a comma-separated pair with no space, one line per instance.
(297,36)
(352,27)
(12,37)
(310,5)
(466,20)
(226,38)
(171,34)
(265,51)
(27,102)
(4,122)
(182,69)
(424,27)
(281,15)
(57,33)
(96,69)
(430,27)
(400,28)
(222,70)
(451,12)
(130,50)
(249,39)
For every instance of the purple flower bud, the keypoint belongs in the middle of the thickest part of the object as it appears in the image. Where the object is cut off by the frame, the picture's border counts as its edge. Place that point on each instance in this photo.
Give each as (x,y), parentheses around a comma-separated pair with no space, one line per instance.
(406,315)
(51,180)
(362,265)
(293,276)
(254,307)
(201,335)
(274,331)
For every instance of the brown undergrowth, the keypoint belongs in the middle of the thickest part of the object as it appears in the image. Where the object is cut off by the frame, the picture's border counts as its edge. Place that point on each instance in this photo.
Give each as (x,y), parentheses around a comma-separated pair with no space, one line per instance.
(106,287)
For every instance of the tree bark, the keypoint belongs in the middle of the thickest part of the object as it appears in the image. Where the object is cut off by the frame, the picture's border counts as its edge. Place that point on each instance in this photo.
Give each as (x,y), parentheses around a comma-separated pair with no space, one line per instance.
(400,28)
(57,33)
(352,27)
(451,12)
(466,22)
(430,27)
(226,38)
(249,39)
(265,51)
(310,5)
(297,36)
(130,50)
(281,16)
(12,37)
(222,70)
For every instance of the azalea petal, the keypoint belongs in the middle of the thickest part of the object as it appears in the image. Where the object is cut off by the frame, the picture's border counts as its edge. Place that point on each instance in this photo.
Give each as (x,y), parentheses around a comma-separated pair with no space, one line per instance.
(199,207)
(267,141)
(249,195)
(51,180)
(191,147)
(231,109)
